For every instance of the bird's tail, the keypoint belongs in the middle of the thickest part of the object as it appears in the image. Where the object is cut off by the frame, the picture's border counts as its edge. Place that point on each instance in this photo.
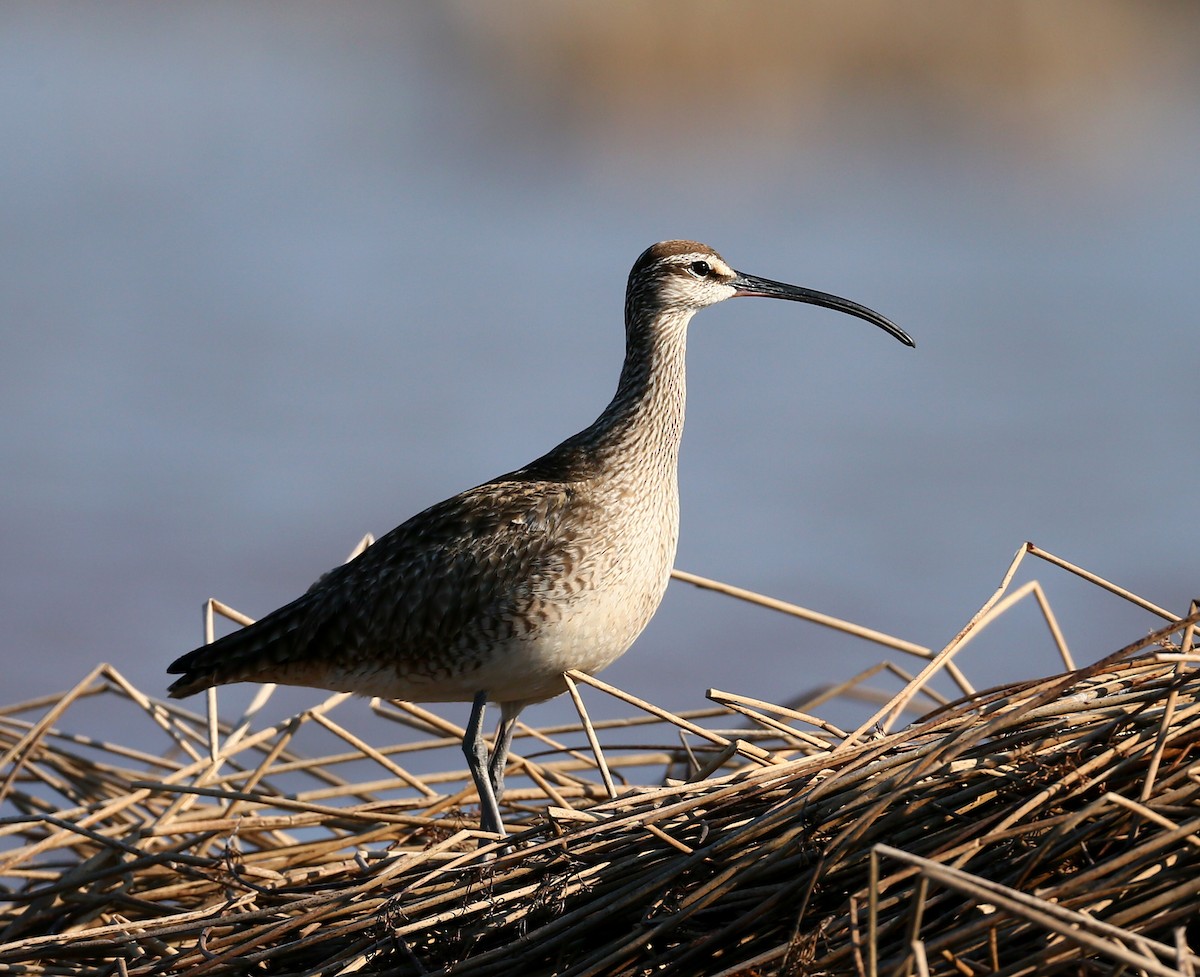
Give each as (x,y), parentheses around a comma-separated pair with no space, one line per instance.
(245,655)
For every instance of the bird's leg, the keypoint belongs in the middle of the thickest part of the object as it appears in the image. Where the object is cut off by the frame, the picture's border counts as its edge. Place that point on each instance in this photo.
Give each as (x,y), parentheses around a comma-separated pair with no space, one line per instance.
(504,734)
(475,750)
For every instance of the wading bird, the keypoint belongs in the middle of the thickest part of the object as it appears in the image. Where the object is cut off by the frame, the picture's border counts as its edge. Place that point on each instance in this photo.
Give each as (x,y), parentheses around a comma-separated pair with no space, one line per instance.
(494,593)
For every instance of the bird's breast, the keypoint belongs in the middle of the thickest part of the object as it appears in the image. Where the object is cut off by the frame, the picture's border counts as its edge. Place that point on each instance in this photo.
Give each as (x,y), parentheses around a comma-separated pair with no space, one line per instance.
(589,611)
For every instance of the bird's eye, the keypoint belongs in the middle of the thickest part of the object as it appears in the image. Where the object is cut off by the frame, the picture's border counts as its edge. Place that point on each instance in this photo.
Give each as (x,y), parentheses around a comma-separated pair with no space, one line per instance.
(701,269)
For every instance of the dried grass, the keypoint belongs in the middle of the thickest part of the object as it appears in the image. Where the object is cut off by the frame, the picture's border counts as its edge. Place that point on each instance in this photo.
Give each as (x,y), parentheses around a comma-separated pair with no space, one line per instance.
(1050,826)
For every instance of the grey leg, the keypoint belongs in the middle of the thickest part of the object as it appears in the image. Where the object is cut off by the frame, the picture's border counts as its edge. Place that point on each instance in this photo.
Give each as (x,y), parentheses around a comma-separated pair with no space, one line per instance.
(504,734)
(475,750)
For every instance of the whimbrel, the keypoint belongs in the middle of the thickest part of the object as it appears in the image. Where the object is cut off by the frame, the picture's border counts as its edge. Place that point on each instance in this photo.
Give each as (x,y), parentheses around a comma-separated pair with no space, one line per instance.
(494,593)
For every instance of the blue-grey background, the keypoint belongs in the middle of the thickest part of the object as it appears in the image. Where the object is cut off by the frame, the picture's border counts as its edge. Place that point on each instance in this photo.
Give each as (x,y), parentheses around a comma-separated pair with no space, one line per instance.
(277,275)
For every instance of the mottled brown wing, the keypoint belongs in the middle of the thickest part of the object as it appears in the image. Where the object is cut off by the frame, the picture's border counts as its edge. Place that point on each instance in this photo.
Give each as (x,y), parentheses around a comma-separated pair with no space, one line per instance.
(462,575)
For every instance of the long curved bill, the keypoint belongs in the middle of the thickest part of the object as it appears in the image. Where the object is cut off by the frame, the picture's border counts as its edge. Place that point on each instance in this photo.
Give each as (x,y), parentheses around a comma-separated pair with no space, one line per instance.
(752,285)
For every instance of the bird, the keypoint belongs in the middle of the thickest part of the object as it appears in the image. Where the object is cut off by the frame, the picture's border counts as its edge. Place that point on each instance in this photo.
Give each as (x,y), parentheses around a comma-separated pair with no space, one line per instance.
(493,594)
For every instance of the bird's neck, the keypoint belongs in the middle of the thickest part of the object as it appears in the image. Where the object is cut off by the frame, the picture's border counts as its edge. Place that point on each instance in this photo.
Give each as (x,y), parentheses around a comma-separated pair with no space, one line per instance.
(645,415)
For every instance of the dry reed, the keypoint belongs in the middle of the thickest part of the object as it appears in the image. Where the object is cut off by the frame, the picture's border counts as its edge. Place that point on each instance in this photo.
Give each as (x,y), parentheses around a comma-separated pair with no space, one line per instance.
(1050,826)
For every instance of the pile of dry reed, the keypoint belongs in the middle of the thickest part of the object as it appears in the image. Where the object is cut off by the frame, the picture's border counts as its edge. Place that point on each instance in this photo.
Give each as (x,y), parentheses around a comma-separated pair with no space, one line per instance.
(1051,826)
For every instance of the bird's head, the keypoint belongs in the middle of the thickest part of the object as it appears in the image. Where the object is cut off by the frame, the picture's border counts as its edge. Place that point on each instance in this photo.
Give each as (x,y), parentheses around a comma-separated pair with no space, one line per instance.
(686,276)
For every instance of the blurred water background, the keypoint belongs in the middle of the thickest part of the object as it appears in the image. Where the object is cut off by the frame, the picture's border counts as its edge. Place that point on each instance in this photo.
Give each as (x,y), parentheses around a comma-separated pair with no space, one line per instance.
(276,275)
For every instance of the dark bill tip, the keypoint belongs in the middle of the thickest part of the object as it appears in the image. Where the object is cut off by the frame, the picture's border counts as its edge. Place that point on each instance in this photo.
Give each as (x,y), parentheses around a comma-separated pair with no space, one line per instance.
(752,285)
